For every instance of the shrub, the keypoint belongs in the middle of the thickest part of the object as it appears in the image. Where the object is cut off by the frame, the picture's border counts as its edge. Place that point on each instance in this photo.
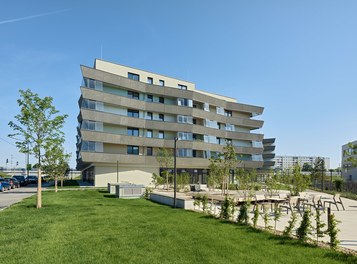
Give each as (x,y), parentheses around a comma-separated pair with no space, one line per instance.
(333,231)
(204,202)
(243,217)
(256,216)
(305,227)
(291,224)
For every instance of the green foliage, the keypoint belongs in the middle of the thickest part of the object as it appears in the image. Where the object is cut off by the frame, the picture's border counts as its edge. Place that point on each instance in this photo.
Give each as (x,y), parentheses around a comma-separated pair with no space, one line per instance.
(204,201)
(338,184)
(243,217)
(277,215)
(38,129)
(255,216)
(86,226)
(157,180)
(197,201)
(147,192)
(318,172)
(351,154)
(266,218)
(299,181)
(291,225)
(246,181)
(272,182)
(221,166)
(166,160)
(227,208)
(183,179)
(319,226)
(305,227)
(332,231)
(306,167)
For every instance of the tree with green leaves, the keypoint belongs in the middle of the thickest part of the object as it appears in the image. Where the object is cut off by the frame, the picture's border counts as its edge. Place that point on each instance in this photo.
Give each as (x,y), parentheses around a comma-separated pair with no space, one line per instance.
(55,161)
(183,179)
(299,181)
(351,154)
(318,171)
(246,181)
(38,124)
(165,159)
(291,225)
(319,226)
(306,167)
(304,230)
(157,180)
(221,166)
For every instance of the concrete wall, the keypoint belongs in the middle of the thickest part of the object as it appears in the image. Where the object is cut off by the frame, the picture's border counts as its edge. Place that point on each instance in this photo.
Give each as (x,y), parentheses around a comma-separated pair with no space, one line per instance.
(105,175)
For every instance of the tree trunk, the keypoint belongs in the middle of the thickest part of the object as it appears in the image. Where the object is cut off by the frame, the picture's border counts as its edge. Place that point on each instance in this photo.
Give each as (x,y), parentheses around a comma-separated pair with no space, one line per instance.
(39,188)
(56,178)
(62,181)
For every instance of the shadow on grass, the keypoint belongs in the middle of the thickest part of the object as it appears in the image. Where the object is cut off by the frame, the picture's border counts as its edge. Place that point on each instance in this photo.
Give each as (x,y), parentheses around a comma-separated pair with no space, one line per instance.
(109,196)
(103,191)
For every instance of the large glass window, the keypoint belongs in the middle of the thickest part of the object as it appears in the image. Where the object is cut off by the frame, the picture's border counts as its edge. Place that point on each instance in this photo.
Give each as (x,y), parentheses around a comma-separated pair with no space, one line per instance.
(184,136)
(161,100)
(90,104)
(133,95)
(211,123)
(161,82)
(184,102)
(228,113)
(133,76)
(92,146)
(149,98)
(133,150)
(133,131)
(150,80)
(87,124)
(184,152)
(149,133)
(210,139)
(148,116)
(133,113)
(149,151)
(184,119)
(229,127)
(161,117)
(161,134)
(92,84)
(206,107)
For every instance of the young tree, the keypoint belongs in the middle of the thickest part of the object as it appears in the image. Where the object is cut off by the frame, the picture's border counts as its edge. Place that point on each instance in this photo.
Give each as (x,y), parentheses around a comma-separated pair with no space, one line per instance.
(299,181)
(305,227)
(38,124)
(246,181)
(55,161)
(166,160)
(319,171)
(221,166)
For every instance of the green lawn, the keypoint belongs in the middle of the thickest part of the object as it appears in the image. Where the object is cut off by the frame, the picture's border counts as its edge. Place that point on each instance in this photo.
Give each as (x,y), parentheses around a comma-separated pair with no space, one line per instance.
(91,226)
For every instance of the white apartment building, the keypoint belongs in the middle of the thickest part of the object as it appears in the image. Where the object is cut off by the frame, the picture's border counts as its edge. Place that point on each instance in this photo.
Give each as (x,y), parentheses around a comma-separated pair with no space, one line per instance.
(288,162)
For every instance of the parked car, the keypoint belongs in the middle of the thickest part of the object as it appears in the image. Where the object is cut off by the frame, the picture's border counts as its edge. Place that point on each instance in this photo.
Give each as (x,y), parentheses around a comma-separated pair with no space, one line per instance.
(16,183)
(21,179)
(32,179)
(4,186)
(11,181)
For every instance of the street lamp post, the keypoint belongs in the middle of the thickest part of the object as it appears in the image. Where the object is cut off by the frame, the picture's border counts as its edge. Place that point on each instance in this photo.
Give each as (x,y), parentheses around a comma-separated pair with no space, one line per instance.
(175,171)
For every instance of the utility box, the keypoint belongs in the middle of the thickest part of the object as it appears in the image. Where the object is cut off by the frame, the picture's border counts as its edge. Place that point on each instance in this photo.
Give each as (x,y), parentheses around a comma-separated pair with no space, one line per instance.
(129,190)
(111,187)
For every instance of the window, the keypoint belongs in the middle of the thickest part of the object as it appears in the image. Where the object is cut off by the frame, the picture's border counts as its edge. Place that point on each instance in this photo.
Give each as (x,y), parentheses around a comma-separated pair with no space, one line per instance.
(209,139)
(150,80)
(133,150)
(149,133)
(161,134)
(150,98)
(184,153)
(161,100)
(161,82)
(133,95)
(206,107)
(92,146)
(90,104)
(182,87)
(228,113)
(184,119)
(229,127)
(149,151)
(185,136)
(220,110)
(149,116)
(211,123)
(90,125)
(132,131)
(161,117)
(92,84)
(133,113)
(184,102)
(133,76)
(194,121)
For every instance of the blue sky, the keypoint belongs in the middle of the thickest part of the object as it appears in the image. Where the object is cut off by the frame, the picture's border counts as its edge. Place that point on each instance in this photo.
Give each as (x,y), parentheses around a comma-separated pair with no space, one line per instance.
(298,59)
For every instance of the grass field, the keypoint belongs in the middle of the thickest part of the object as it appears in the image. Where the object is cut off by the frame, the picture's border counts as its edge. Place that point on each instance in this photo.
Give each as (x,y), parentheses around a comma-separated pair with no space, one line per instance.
(92,226)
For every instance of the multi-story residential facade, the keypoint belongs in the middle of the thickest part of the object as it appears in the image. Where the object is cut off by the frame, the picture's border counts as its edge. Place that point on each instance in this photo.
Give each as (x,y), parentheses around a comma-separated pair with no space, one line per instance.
(269,153)
(349,172)
(288,162)
(127,115)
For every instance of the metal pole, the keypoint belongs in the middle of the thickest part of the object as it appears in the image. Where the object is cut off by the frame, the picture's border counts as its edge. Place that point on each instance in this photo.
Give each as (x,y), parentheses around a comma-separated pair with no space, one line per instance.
(175,171)
(117,171)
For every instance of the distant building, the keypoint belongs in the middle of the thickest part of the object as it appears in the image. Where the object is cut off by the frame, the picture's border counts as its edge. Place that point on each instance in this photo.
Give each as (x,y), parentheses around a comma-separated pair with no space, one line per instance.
(288,162)
(269,153)
(349,173)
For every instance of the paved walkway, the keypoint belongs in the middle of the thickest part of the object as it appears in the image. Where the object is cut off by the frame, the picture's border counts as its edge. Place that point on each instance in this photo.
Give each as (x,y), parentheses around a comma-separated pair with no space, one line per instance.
(13,196)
